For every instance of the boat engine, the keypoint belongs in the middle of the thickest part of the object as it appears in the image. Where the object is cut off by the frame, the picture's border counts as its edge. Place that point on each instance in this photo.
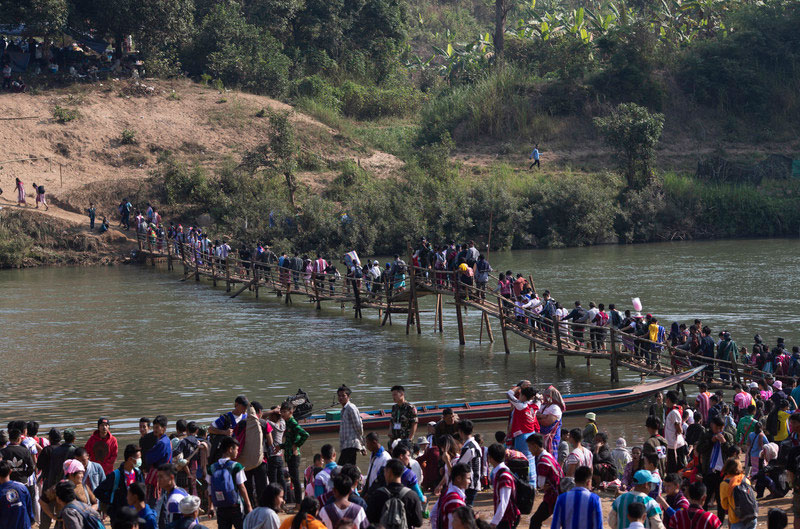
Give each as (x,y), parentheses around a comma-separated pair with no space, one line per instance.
(302,405)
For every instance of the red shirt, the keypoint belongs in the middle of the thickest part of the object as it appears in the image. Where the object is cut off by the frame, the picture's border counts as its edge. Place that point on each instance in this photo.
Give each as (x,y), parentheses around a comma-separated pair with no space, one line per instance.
(694,518)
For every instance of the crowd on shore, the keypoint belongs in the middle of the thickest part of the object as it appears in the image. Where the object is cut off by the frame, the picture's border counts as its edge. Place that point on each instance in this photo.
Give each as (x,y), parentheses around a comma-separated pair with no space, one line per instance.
(705,459)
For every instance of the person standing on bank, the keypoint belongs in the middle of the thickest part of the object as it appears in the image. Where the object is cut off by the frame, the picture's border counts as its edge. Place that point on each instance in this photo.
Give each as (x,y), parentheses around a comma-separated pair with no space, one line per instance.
(351,431)
(404,417)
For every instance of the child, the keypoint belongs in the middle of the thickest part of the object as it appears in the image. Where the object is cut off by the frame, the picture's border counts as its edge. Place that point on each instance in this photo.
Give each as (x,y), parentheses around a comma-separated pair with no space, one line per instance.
(651,464)
(104,226)
(674,500)
(311,472)
(637,514)
(40,199)
(91,211)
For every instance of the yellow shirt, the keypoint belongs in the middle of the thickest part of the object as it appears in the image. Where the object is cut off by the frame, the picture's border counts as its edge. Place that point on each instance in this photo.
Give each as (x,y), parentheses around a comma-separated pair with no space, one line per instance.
(783,429)
(653,332)
(726,495)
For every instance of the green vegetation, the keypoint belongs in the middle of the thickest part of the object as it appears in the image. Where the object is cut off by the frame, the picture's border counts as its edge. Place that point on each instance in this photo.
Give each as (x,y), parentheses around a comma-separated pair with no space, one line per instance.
(128,137)
(65,115)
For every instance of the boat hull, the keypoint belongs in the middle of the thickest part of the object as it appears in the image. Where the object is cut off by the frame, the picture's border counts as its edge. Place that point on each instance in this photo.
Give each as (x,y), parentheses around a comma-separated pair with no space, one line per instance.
(499,410)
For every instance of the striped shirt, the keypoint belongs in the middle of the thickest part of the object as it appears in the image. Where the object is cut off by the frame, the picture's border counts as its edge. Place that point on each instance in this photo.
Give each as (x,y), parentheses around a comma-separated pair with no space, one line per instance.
(452,500)
(503,496)
(168,507)
(618,518)
(578,509)
(694,518)
(703,402)
(549,471)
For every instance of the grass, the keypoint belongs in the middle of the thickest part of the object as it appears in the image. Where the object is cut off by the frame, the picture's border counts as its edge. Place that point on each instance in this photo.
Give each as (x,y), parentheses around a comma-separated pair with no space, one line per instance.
(128,137)
(231,113)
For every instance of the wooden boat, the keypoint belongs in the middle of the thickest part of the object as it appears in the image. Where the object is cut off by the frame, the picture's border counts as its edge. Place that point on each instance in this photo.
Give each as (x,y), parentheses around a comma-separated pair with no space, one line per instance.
(496,410)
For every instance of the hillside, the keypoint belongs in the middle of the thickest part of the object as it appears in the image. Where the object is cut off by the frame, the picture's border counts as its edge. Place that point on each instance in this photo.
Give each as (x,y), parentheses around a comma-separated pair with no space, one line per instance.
(185,118)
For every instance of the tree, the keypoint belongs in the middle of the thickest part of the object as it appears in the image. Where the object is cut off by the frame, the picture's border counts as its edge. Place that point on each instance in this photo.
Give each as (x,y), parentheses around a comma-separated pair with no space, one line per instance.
(634,132)
(237,52)
(278,154)
(501,9)
(41,17)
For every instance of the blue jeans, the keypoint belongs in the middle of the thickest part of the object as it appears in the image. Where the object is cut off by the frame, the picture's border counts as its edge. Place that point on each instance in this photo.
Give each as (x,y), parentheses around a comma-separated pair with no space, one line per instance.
(521,445)
(748,525)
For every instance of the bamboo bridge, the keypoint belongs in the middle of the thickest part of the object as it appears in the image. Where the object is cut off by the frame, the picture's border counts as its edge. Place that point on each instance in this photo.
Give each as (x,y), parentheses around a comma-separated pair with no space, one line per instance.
(560,338)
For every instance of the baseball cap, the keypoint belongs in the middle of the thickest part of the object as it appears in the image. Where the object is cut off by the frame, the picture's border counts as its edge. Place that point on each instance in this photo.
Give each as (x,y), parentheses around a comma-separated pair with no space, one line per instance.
(644,476)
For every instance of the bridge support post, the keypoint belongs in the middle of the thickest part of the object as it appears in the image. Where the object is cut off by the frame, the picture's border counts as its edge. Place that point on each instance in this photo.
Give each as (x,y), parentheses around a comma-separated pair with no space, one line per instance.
(559,346)
(213,271)
(614,356)
(169,255)
(460,319)
(502,315)
(227,274)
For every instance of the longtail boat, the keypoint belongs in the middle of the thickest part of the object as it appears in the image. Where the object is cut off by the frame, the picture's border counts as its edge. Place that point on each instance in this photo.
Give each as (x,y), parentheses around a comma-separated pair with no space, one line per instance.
(495,410)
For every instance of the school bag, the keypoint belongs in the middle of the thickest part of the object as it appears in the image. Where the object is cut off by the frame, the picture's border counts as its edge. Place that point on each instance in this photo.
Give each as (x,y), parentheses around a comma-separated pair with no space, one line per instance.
(40,190)
(745,505)
(524,494)
(333,513)
(90,518)
(772,426)
(393,512)
(223,489)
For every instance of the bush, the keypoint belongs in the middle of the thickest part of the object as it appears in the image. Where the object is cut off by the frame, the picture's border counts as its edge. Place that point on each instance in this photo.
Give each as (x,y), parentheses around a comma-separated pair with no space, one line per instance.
(634,132)
(182,183)
(363,102)
(128,137)
(65,115)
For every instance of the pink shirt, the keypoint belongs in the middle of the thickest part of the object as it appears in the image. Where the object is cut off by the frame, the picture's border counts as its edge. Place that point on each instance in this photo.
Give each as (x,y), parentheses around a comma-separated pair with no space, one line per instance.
(742,400)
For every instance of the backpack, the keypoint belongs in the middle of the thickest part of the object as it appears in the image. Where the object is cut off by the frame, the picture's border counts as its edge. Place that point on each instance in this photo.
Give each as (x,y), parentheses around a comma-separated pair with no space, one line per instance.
(524,494)
(223,489)
(103,494)
(90,519)
(794,366)
(744,502)
(335,517)
(40,190)
(772,423)
(393,512)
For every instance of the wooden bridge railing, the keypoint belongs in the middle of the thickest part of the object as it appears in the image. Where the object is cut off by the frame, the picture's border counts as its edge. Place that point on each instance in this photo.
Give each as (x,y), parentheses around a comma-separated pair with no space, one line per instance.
(389,295)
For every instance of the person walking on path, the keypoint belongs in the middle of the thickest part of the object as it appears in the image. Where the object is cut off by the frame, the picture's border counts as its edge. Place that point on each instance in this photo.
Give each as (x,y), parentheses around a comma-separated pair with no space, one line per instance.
(20,188)
(351,430)
(535,157)
(40,198)
(293,439)
(578,507)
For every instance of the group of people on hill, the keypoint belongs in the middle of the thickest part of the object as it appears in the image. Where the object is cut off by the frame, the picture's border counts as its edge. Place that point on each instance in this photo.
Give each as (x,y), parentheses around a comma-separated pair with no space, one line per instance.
(244,467)
(19,189)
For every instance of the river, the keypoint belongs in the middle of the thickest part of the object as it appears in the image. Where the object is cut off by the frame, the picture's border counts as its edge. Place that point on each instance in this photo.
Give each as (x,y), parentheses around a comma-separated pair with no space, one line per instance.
(132,341)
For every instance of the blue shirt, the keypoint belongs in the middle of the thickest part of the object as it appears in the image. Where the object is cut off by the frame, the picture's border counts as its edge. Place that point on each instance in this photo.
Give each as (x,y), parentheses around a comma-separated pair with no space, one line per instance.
(535,154)
(16,510)
(160,453)
(147,518)
(577,509)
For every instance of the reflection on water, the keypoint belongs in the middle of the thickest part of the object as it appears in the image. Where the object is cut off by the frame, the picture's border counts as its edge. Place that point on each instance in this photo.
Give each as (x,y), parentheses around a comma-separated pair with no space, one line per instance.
(132,341)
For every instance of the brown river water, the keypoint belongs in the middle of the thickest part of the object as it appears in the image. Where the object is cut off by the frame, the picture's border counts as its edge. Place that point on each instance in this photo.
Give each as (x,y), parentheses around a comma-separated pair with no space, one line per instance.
(132,341)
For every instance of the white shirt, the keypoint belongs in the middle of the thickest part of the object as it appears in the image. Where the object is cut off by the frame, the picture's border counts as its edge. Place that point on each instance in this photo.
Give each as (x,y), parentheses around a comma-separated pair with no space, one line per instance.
(554,410)
(582,457)
(360,519)
(262,518)
(239,479)
(673,434)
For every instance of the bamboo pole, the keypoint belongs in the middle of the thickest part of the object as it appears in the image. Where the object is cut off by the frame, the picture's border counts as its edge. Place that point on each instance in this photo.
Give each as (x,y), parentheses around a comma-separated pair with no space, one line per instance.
(503,324)
(559,346)
(461,339)
(614,356)
(489,332)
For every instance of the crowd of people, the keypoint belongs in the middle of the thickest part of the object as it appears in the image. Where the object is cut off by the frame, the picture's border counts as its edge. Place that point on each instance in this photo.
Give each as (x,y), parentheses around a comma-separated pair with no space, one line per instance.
(704,459)
(70,62)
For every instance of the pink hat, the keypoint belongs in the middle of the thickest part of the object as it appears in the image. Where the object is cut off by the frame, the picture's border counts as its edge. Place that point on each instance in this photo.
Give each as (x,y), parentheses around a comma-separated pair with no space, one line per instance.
(778,385)
(73,465)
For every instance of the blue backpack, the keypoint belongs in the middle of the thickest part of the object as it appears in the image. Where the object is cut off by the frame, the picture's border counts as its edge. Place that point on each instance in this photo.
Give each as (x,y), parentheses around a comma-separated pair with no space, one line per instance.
(224,492)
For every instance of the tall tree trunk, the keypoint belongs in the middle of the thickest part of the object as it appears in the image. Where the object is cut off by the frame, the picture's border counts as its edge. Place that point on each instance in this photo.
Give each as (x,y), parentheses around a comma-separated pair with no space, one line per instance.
(499,28)
(292,186)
